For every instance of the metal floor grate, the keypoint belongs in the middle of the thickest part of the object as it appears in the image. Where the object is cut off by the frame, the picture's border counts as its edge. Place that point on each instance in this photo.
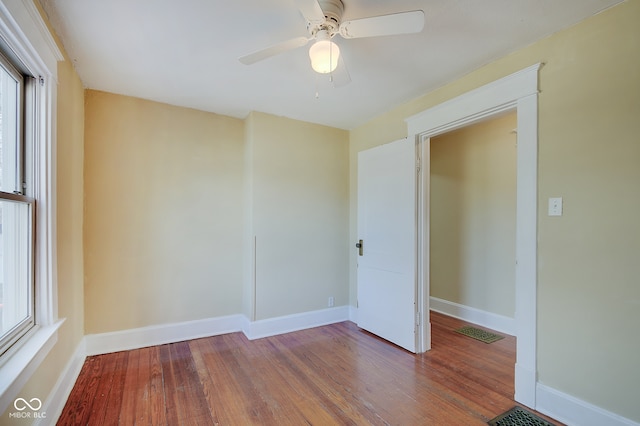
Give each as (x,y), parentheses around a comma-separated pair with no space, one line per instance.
(518,416)
(478,334)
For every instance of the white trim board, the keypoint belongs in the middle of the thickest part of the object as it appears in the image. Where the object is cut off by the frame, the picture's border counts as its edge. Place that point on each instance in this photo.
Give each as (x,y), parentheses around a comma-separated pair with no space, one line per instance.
(136,338)
(54,404)
(496,322)
(288,323)
(573,411)
(475,105)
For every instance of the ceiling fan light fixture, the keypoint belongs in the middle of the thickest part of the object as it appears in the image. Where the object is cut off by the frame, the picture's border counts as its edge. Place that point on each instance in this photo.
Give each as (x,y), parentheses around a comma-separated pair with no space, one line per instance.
(324,56)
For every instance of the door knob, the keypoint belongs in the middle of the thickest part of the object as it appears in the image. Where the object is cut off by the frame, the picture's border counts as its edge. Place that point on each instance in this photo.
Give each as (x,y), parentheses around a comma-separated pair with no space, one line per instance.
(360,246)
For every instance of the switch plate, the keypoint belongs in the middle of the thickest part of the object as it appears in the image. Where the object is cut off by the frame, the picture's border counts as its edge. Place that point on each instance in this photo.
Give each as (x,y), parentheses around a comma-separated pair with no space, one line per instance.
(555,206)
(331,302)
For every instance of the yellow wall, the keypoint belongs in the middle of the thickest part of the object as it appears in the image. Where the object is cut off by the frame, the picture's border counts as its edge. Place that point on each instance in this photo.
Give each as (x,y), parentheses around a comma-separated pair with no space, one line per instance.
(473,216)
(299,213)
(163,213)
(588,292)
(166,202)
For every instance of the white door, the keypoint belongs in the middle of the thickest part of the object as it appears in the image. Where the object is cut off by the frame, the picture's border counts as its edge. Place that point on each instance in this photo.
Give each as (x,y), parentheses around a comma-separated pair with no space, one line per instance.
(387,229)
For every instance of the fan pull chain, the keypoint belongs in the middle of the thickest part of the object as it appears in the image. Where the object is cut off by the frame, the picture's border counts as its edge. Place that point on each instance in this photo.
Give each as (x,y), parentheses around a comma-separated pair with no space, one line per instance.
(331,62)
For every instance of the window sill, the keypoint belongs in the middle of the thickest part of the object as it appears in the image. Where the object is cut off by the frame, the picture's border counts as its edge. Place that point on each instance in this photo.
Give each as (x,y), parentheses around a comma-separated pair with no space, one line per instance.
(24,361)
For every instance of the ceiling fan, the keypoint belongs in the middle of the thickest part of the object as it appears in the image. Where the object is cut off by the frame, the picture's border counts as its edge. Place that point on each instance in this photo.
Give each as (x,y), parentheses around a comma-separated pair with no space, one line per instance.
(324,21)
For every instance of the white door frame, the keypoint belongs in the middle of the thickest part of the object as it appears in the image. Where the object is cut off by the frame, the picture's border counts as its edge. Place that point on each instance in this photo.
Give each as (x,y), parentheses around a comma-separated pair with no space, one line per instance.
(519,92)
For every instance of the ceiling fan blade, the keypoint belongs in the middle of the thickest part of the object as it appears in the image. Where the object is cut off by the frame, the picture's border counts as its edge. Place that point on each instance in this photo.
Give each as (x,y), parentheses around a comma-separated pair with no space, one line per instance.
(273,50)
(340,76)
(397,23)
(311,11)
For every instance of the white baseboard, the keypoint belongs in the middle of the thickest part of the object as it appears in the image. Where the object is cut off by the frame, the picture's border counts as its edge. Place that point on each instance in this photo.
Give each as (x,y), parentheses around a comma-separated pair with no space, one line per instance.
(353,314)
(486,319)
(573,411)
(54,404)
(136,338)
(288,323)
(161,334)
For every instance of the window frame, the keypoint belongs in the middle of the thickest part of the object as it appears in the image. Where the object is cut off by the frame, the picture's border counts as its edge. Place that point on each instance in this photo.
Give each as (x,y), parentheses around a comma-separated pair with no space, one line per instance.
(19,188)
(26,37)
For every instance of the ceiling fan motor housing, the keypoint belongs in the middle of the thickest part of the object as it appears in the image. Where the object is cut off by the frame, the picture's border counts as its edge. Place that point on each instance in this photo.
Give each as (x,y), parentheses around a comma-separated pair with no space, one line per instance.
(333,10)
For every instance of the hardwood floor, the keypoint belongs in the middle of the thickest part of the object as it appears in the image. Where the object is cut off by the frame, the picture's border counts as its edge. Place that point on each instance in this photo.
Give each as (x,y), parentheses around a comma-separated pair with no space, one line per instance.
(336,374)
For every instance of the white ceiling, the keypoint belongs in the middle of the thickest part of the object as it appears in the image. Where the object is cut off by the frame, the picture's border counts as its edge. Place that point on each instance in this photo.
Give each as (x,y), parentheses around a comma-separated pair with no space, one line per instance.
(185,52)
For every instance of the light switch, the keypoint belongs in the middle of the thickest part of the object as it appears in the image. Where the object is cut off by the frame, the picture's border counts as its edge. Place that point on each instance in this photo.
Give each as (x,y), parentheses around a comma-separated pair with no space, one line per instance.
(555,206)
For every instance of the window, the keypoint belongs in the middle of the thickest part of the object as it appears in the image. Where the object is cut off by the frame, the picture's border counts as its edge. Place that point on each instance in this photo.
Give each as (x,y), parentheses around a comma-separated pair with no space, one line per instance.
(17,297)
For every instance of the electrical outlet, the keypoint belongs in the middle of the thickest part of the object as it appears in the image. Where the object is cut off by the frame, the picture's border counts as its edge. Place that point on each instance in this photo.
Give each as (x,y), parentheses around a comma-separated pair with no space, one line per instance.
(331,302)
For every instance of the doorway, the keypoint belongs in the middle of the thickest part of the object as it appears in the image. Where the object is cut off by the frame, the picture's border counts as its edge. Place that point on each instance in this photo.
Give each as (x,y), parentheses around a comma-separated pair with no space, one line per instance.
(473,226)
(516,92)
(473,223)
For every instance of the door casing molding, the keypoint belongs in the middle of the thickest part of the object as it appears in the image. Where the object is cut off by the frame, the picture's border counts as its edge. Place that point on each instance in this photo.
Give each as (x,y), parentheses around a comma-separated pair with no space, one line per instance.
(516,92)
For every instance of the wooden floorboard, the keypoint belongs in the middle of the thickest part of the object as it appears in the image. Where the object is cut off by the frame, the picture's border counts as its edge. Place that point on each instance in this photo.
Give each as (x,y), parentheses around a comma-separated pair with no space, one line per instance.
(332,375)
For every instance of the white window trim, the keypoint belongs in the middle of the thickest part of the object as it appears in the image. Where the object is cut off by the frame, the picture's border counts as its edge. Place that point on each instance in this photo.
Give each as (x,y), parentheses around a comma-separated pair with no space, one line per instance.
(25,32)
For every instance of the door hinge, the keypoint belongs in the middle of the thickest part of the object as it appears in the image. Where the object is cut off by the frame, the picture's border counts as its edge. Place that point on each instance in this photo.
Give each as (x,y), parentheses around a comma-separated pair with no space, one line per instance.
(417,318)
(418,165)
